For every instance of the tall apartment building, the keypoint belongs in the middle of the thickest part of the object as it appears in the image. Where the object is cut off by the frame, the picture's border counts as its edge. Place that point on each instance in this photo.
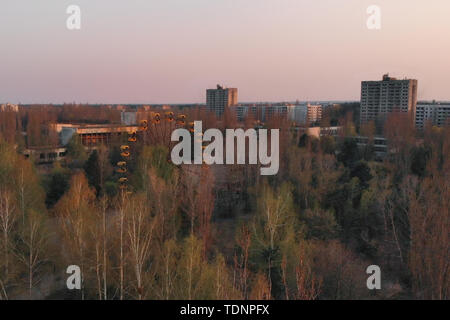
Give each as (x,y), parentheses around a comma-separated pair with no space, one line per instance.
(379,98)
(219,99)
(438,114)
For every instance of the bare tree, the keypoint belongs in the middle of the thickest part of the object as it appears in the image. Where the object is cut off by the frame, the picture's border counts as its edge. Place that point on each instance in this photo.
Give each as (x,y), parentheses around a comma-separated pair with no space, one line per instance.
(76,209)
(241,266)
(8,217)
(261,288)
(122,209)
(140,231)
(31,251)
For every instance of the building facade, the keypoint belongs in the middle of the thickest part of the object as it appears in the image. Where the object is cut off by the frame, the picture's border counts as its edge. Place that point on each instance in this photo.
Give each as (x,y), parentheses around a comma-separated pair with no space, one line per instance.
(45,154)
(300,114)
(128,118)
(92,135)
(219,99)
(438,114)
(314,113)
(379,98)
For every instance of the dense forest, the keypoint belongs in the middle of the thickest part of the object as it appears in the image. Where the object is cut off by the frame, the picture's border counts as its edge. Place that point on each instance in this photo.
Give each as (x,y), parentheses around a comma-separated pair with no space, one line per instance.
(225,232)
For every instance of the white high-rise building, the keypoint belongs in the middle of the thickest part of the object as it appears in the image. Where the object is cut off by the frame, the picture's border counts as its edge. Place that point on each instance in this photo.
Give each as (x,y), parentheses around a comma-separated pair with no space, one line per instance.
(314,113)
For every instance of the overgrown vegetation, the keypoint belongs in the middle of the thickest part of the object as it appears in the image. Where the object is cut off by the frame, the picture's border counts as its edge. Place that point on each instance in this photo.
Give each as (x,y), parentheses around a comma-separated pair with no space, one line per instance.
(225,232)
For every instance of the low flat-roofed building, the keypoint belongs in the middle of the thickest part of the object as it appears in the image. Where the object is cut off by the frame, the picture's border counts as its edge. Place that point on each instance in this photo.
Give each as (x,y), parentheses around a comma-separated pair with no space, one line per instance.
(92,134)
(45,154)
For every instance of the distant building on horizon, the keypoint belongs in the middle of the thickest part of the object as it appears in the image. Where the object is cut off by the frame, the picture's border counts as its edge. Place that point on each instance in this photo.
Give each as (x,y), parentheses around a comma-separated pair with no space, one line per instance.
(219,99)
(299,113)
(379,98)
(128,118)
(438,114)
(9,107)
(314,113)
(305,114)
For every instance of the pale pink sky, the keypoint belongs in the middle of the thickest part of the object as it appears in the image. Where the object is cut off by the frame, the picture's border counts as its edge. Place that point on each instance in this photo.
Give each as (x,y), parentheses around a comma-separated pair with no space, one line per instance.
(170,51)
